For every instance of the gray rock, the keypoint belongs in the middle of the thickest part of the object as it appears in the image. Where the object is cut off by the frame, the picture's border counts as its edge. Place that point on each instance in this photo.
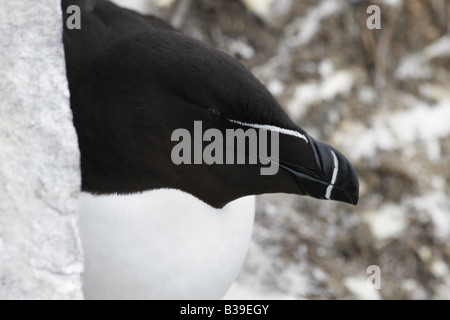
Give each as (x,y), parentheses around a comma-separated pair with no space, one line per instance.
(40,251)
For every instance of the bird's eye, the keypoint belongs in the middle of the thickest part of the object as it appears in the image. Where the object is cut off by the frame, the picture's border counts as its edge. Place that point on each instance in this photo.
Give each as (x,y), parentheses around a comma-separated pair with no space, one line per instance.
(215,114)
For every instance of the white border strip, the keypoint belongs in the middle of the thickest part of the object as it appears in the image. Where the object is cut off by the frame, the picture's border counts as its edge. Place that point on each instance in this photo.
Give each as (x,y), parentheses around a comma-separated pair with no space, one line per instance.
(333,179)
(271,128)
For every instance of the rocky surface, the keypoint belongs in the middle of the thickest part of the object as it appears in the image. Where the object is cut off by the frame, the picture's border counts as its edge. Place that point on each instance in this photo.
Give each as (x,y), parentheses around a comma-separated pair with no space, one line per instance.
(40,253)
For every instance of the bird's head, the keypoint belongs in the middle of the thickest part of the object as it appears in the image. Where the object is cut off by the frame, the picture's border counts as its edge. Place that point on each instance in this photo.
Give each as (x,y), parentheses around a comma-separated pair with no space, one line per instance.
(135,96)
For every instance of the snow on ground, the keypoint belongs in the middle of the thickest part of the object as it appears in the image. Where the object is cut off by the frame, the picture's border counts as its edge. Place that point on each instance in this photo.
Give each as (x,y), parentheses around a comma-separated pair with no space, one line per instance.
(338,83)
(358,286)
(388,131)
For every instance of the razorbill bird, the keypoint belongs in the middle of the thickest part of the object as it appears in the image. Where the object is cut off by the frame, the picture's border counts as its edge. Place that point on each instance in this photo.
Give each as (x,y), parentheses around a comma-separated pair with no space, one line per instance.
(151,228)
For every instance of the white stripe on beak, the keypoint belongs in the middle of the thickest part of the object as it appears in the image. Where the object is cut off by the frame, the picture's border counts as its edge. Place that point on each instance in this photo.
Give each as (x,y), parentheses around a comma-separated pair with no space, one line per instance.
(333,179)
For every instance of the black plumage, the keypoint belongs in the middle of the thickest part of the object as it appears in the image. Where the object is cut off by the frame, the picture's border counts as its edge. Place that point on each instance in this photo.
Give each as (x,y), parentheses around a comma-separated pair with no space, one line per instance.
(134,80)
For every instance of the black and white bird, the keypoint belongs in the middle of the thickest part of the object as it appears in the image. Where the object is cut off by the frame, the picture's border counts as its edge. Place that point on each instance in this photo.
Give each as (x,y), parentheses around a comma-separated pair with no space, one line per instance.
(152,229)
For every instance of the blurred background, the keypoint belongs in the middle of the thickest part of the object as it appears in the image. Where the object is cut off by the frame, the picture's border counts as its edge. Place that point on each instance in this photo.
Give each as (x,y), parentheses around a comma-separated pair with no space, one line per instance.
(382,97)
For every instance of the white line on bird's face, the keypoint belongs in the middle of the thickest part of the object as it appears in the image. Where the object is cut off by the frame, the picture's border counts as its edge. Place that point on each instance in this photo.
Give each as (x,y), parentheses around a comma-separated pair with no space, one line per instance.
(271,128)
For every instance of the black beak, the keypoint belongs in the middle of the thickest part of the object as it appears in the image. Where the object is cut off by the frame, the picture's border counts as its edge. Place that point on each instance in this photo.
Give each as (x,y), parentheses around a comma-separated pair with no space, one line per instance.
(334,178)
